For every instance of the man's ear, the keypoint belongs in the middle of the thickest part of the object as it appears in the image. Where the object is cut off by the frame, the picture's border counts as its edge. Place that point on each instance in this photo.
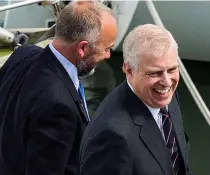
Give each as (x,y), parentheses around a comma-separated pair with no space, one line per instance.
(127,69)
(83,49)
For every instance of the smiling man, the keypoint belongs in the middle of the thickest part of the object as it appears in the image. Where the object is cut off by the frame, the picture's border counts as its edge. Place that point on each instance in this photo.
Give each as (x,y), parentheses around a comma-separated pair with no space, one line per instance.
(138,128)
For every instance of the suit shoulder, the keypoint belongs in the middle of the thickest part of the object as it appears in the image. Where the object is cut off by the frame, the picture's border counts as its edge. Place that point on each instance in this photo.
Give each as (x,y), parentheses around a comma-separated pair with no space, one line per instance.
(30,47)
(114,121)
(105,132)
(112,113)
(25,50)
(20,56)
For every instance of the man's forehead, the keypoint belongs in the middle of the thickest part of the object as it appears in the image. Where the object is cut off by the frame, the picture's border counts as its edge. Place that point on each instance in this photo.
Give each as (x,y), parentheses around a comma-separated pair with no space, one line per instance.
(153,62)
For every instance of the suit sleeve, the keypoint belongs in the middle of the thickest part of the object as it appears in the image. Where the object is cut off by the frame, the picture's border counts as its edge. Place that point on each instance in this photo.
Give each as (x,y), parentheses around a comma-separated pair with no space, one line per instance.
(106,153)
(51,136)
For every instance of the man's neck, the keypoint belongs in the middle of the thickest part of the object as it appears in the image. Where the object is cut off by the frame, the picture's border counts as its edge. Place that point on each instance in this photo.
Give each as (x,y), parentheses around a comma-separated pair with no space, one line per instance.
(65,49)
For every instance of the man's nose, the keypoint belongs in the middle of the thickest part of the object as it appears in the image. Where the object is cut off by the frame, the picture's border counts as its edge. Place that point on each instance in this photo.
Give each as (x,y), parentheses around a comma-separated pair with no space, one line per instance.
(166,79)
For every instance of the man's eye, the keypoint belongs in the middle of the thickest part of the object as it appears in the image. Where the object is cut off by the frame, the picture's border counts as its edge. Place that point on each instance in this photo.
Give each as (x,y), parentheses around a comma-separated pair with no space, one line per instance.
(107,50)
(153,74)
(172,70)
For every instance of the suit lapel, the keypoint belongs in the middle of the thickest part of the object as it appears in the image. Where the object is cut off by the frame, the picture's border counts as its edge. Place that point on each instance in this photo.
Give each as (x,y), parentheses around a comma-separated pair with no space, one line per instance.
(149,131)
(176,118)
(82,109)
(60,71)
(152,138)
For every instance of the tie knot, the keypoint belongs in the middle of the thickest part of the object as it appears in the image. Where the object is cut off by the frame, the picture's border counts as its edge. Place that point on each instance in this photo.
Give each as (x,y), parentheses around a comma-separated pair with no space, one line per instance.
(163,111)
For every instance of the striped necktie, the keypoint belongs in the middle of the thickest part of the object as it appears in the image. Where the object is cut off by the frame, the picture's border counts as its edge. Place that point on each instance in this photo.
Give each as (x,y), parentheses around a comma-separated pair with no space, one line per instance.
(82,96)
(170,140)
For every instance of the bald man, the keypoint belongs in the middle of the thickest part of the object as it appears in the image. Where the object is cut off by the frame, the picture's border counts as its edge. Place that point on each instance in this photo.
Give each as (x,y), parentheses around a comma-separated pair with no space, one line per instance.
(43,111)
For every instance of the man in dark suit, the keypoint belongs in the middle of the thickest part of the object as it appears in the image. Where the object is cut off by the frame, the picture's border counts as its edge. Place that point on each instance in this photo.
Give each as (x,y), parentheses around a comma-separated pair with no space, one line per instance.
(43,111)
(138,130)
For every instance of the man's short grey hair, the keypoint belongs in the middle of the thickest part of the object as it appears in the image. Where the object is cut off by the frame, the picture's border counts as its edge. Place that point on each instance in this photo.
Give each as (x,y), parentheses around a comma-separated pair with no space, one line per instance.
(146,40)
(81,21)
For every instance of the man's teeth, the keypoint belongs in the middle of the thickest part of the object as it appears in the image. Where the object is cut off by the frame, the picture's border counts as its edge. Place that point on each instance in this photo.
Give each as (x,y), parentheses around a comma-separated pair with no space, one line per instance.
(165,91)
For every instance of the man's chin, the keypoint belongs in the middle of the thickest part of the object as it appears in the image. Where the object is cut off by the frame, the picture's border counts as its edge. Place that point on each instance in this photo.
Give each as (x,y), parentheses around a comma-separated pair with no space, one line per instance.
(87,74)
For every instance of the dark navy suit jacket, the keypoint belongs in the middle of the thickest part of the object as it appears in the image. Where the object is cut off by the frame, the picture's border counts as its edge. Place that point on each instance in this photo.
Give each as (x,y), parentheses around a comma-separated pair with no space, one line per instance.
(41,115)
(124,139)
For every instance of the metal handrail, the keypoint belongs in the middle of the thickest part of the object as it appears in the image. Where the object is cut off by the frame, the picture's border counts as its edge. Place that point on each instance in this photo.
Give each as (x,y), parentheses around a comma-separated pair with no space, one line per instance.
(11,38)
(190,85)
(19,4)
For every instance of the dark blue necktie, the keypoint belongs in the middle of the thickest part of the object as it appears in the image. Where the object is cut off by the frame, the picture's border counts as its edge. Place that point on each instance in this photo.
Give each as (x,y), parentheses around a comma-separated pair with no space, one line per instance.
(170,140)
(82,96)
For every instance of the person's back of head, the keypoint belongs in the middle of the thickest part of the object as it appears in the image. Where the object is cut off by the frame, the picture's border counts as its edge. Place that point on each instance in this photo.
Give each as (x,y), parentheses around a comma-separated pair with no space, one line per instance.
(85,32)
(81,20)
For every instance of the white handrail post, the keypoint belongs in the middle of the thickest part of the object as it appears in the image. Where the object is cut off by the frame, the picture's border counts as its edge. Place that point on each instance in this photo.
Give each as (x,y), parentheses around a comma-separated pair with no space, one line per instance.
(18,4)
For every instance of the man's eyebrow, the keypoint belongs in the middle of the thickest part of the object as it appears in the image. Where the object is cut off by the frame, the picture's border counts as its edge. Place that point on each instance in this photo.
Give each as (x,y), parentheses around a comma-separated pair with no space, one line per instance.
(173,67)
(154,70)
(111,46)
(151,70)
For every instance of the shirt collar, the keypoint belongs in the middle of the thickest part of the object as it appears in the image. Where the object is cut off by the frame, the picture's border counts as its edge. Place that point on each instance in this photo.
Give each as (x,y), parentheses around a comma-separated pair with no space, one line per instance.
(154,111)
(68,66)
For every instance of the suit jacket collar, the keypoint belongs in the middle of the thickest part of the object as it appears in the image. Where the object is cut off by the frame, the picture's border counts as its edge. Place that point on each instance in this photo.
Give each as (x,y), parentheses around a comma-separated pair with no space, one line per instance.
(149,131)
(60,71)
(69,67)
(176,117)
